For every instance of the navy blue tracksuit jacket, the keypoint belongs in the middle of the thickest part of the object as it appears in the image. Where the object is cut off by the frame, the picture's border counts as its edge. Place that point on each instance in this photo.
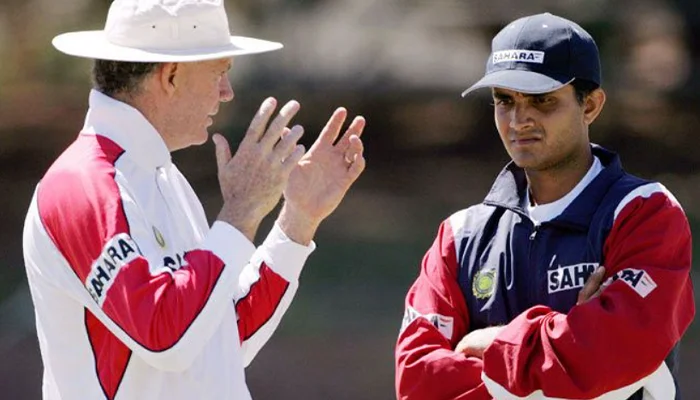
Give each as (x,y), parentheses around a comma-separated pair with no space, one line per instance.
(491,265)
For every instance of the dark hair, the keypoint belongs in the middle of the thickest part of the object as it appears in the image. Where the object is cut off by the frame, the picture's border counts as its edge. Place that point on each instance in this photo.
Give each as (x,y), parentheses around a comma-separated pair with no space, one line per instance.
(583,88)
(120,77)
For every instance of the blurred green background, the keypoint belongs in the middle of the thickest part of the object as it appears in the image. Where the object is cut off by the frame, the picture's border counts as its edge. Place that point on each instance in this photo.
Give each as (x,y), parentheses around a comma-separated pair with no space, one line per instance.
(400,63)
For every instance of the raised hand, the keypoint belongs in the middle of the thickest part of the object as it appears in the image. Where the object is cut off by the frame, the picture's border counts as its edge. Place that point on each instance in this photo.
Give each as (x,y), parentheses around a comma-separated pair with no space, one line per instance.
(253,179)
(322,178)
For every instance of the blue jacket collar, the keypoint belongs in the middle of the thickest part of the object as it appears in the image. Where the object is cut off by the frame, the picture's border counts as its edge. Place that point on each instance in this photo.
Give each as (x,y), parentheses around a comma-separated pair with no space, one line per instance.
(509,189)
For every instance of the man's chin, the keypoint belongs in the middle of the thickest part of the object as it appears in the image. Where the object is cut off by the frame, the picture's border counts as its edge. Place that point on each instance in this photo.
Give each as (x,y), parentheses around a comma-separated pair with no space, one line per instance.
(202,139)
(528,163)
(523,159)
(199,139)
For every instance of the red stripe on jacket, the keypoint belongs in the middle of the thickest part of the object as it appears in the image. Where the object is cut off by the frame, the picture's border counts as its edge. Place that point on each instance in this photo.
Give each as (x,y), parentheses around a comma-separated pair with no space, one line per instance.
(111,355)
(426,365)
(81,209)
(258,306)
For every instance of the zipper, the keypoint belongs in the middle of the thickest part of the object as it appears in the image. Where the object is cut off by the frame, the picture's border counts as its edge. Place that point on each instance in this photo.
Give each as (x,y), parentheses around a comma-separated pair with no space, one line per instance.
(534,265)
(534,232)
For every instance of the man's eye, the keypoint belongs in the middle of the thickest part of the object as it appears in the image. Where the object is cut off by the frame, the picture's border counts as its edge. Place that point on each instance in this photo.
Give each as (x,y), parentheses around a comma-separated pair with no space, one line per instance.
(544,100)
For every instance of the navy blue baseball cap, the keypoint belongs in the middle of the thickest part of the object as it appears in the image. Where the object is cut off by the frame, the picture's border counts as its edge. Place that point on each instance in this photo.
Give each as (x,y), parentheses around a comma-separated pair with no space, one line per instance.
(539,54)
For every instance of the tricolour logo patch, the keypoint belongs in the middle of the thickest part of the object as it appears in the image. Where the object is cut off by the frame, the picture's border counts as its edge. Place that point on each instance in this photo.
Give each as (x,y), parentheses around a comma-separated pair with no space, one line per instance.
(119,251)
(528,56)
(637,279)
(445,325)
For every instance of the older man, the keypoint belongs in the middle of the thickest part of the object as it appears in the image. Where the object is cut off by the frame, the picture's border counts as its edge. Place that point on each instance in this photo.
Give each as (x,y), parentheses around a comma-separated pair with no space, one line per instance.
(135,295)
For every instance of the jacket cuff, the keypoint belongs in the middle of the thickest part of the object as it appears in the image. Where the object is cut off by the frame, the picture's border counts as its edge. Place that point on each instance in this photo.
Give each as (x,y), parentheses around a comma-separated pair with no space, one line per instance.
(282,254)
(230,245)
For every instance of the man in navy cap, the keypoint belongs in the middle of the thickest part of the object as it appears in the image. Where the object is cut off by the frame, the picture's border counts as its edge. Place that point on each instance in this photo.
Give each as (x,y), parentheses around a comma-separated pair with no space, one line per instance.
(571,279)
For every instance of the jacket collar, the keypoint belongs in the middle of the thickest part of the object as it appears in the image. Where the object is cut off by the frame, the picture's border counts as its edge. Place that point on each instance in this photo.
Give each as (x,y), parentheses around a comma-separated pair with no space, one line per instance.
(128,128)
(510,188)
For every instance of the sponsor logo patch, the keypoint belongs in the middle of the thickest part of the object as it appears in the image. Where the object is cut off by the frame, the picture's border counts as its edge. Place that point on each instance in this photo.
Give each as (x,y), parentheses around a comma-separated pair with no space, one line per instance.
(119,251)
(484,283)
(444,325)
(569,277)
(637,279)
(528,56)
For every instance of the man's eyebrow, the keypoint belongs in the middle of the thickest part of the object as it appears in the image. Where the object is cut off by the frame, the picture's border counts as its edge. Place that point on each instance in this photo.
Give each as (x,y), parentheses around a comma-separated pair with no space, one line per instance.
(501,95)
(226,67)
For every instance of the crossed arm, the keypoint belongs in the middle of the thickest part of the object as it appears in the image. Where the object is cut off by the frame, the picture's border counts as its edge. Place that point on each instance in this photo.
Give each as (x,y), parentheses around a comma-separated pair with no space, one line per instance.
(474,343)
(546,354)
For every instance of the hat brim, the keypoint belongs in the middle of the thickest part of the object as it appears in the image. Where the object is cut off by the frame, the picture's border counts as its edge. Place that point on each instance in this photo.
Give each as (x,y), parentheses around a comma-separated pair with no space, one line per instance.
(94,44)
(520,81)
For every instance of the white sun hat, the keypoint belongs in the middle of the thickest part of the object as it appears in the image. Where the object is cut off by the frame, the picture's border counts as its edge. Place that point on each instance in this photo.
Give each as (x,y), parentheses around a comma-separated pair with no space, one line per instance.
(162,31)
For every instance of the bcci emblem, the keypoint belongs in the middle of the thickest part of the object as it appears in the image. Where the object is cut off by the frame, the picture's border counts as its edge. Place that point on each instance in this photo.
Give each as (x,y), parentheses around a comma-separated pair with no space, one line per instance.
(483,283)
(159,237)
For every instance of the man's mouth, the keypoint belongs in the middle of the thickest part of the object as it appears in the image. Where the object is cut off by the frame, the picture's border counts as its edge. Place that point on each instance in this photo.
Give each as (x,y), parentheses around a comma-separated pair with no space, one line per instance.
(525,140)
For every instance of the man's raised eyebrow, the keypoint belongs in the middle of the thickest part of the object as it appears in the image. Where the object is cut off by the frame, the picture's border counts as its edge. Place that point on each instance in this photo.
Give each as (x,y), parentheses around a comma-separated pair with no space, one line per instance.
(504,96)
(500,95)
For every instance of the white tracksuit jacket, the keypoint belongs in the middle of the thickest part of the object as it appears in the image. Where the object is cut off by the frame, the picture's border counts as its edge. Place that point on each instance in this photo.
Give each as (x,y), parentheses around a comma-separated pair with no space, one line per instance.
(136,297)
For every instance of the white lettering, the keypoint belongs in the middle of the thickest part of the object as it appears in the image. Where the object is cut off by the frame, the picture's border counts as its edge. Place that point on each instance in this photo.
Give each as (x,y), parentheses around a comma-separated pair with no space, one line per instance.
(528,56)
(569,276)
(119,251)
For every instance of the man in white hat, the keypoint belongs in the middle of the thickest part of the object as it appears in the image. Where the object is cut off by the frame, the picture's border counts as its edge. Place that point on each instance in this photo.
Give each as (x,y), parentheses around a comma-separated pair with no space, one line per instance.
(136,296)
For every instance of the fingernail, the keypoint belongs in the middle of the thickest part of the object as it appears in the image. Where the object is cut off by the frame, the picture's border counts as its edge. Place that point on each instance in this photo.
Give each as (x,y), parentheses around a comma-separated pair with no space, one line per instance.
(269,104)
(288,108)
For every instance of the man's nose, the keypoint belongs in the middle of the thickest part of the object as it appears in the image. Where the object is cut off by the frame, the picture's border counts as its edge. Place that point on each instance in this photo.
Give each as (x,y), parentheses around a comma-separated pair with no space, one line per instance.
(225,90)
(521,117)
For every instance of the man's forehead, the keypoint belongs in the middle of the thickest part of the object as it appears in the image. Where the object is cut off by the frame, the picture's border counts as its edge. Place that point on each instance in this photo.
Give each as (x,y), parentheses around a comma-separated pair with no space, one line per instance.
(514,93)
(220,62)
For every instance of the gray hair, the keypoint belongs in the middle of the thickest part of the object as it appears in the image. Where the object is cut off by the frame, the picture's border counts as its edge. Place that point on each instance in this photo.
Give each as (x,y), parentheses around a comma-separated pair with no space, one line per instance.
(120,77)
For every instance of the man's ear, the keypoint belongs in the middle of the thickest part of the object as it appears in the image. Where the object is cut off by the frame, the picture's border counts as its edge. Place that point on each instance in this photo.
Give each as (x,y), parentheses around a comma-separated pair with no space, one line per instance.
(168,75)
(593,105)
